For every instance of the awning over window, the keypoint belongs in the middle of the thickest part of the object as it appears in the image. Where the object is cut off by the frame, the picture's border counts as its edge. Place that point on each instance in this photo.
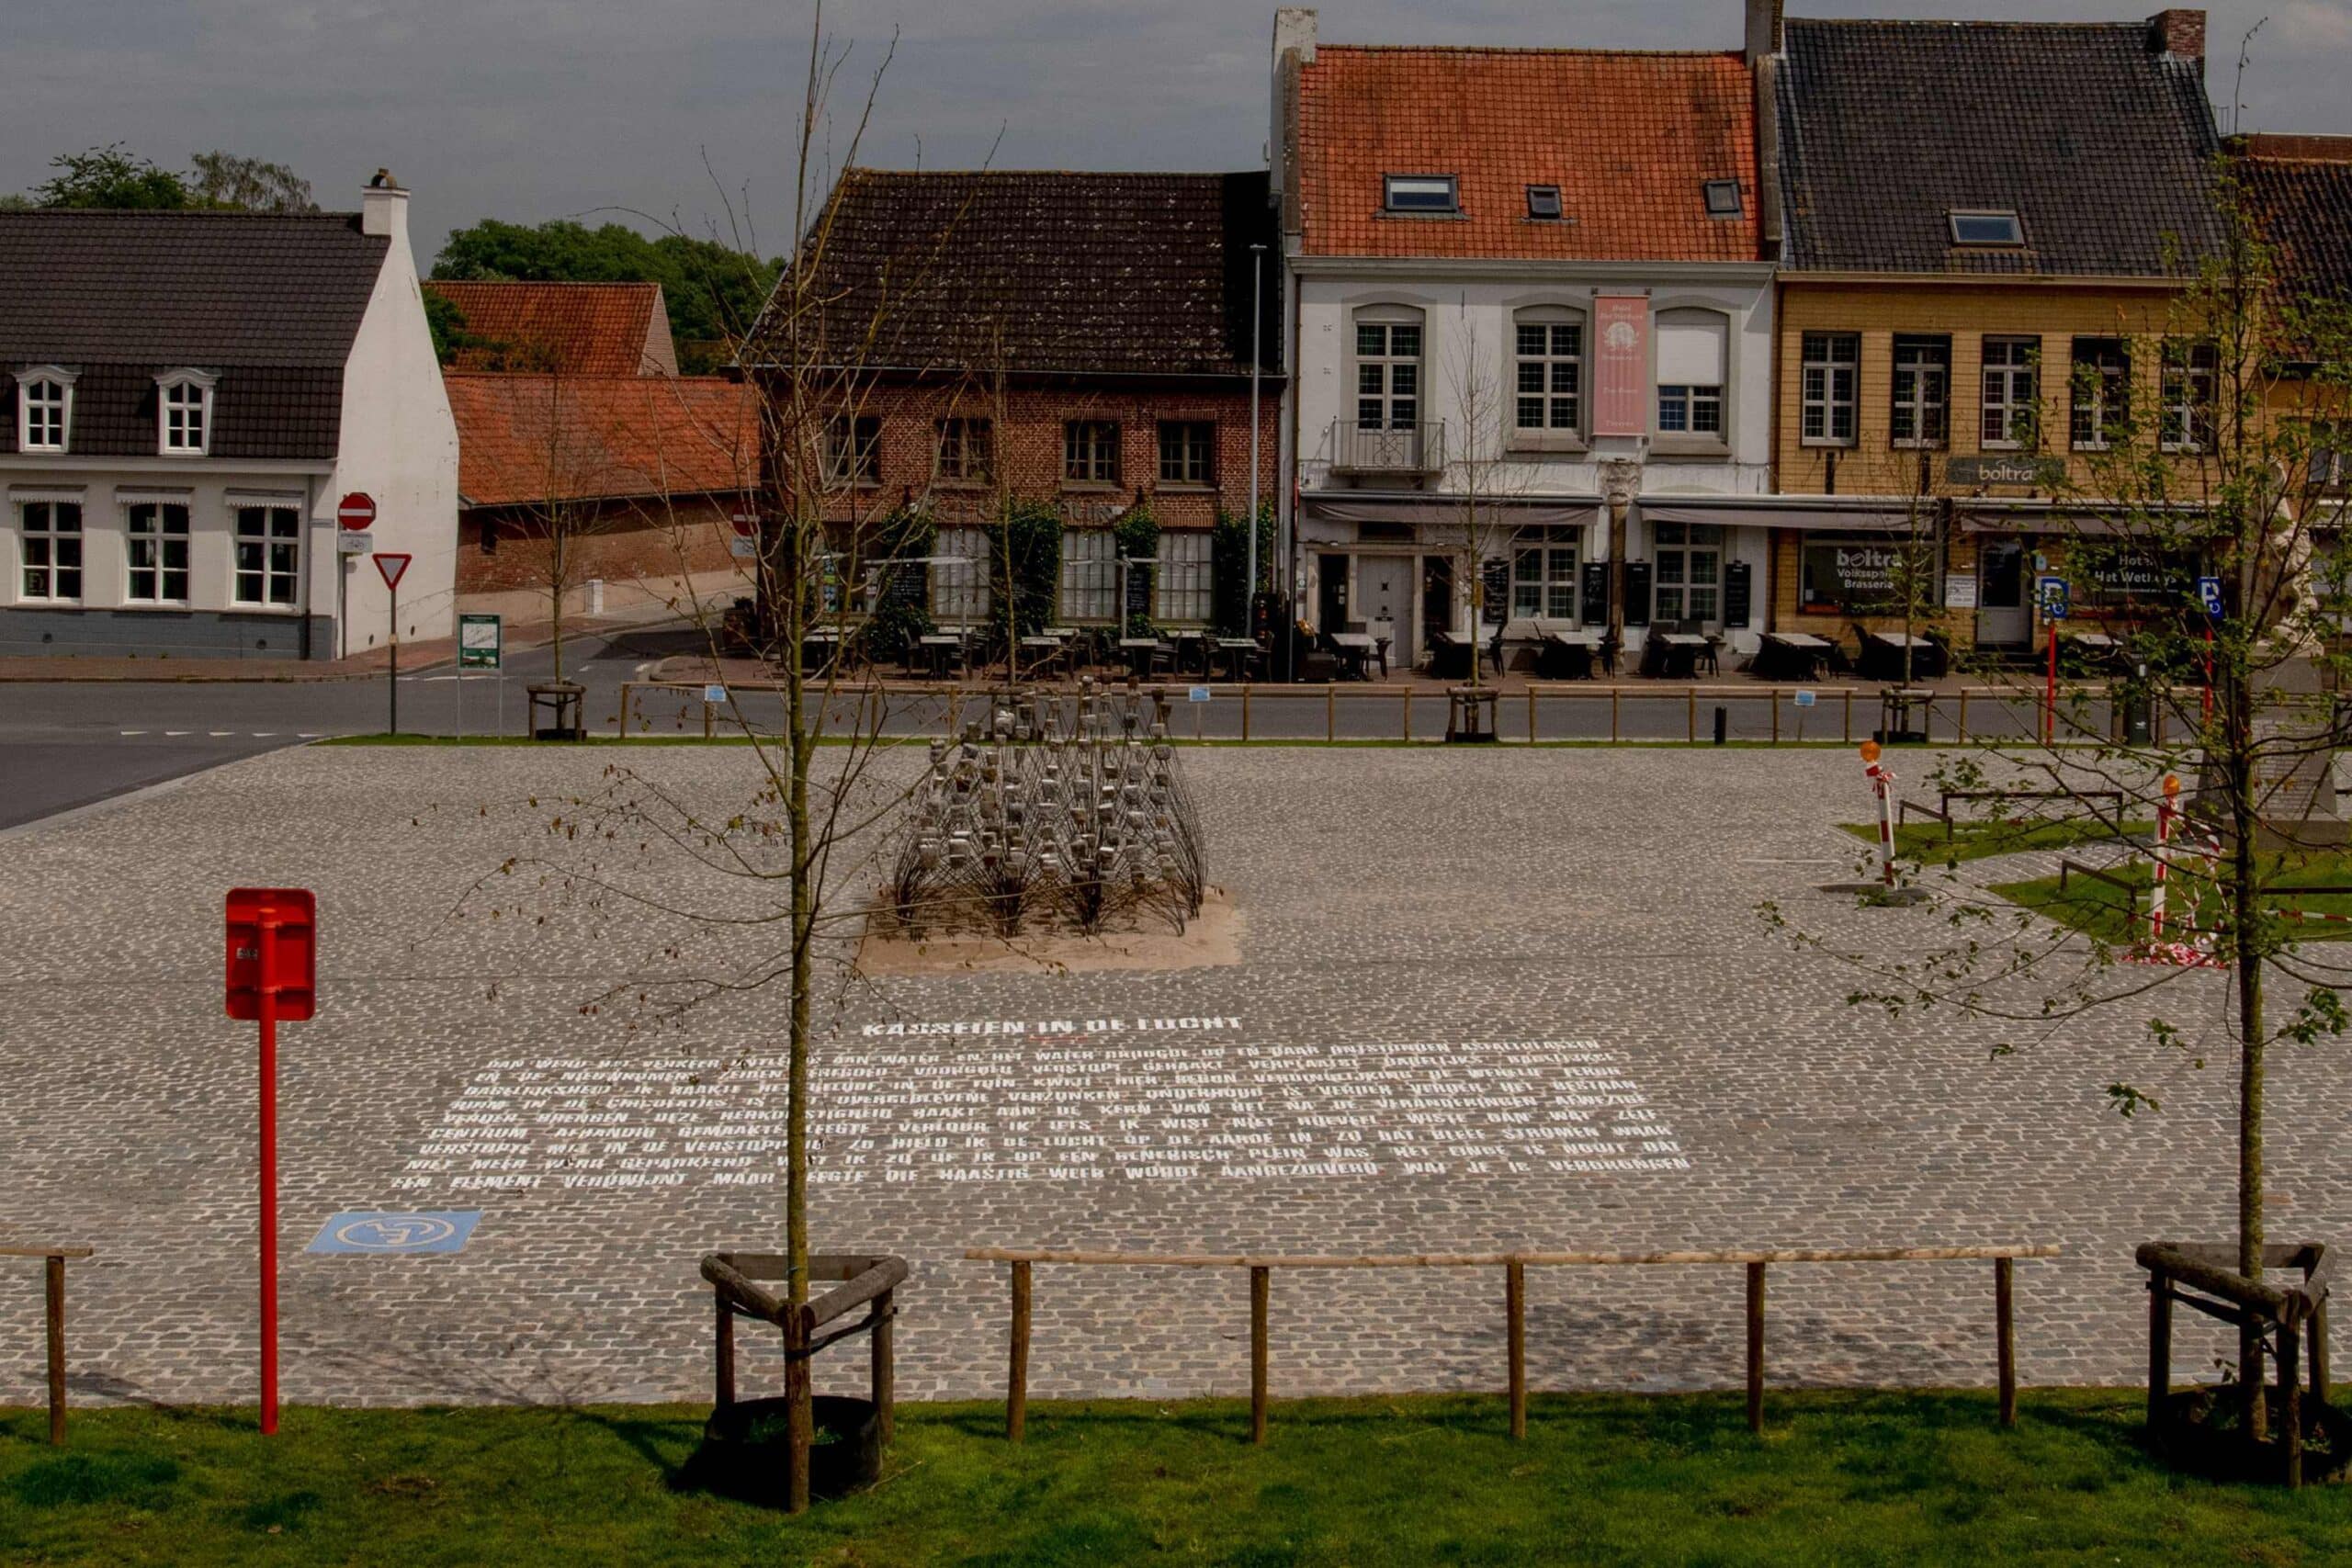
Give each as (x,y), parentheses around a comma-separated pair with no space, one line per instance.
(1452,512)
(1734,513)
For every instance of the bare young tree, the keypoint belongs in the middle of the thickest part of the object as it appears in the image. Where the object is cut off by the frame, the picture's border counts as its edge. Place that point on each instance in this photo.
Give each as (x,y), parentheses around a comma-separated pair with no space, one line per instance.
(2236,477)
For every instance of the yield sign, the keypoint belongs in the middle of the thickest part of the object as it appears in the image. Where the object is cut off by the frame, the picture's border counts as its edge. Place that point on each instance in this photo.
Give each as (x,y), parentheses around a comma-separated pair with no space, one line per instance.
(391,565)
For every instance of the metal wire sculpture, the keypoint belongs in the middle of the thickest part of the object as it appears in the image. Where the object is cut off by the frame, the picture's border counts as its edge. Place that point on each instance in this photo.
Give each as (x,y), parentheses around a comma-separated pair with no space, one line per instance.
(1031,826)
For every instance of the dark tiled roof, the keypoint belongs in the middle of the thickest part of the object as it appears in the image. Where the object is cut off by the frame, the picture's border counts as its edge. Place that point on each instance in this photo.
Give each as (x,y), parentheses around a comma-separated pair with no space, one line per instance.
(2101,143)
(271,301)
(2300,190)
(1631,139)
(1138,275)
(568,329)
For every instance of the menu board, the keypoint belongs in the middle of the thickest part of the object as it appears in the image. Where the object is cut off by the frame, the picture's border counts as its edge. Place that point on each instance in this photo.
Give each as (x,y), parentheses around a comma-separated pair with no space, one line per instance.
(1495,575)
(1740,592)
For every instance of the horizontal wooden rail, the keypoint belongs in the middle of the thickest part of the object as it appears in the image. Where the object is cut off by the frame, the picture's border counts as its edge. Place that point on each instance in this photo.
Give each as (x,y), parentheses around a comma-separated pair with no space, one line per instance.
(1260,1269)
(54,1313)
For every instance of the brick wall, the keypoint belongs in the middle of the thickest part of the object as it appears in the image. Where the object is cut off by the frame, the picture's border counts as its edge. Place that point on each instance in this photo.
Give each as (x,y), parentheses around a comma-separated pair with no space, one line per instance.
(1028,424)
(621,542)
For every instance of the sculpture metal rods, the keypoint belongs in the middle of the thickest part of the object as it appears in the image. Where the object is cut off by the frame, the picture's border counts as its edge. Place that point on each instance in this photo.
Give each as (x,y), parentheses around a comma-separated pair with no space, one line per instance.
(1030,827)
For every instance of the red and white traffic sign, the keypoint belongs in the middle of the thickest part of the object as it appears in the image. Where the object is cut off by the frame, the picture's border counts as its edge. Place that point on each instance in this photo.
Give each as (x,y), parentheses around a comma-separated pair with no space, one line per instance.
(356,512)
(746,523)
(391,564)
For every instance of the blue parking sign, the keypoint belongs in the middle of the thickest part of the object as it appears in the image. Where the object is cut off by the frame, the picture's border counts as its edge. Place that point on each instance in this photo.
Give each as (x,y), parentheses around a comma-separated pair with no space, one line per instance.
(2054,597)
(2209,594)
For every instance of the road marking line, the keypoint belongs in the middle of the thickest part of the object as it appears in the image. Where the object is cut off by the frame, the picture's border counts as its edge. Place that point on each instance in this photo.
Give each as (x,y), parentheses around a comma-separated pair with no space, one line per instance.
(134,732)
(309,734)
(178,732)
(264,734)
(216,734)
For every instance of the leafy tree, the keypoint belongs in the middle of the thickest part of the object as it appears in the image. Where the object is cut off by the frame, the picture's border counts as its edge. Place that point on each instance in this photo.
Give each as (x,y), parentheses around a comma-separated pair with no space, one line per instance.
(249,185)
(714,292)
(110,178)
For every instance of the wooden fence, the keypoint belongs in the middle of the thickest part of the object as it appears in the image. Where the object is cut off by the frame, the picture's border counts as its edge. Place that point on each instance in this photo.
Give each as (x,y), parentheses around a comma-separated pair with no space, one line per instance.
(1420,710)
(1514,1266)
(53,1311)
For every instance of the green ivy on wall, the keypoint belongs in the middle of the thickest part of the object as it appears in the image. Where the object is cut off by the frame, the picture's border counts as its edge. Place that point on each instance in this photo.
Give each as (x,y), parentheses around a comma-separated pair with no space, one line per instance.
(1138,538)
(1230,563)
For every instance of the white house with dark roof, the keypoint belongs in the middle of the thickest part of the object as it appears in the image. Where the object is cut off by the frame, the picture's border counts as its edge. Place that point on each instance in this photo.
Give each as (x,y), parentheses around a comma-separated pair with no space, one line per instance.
(187,396)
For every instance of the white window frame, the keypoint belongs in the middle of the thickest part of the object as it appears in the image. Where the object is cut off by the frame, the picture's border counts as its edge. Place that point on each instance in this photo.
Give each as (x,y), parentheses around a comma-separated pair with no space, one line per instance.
(1089,589)
(1680,551)
(1385,381)
(1425,195)
(267,548)
(959,577)
(1691,415)
(2101,401)
(1185,588)
(852,454)
(183,392)
(1550,365)
(2190,385)
(52,542)
(1922,384)
(972,449)
(1543,566)
(150,551)
(1827,387)
(60,382)
(2011,400)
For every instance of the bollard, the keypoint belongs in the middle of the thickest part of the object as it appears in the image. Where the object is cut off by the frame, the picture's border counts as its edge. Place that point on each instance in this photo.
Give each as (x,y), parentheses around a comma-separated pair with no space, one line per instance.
(1720,721)
(1883,783)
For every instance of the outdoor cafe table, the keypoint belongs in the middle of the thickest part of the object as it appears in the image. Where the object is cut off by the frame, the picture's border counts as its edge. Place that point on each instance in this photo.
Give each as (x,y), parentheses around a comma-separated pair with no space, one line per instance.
(1791,656)
(1563,655)
(1358,648)
(1678,653)
(818,650)
(1883,657)
(1139,651)
(1236,652)
(1041,655)
(941,648)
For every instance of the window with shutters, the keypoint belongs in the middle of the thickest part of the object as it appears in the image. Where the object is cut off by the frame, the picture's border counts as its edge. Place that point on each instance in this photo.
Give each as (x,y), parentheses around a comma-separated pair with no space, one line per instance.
(1692,354)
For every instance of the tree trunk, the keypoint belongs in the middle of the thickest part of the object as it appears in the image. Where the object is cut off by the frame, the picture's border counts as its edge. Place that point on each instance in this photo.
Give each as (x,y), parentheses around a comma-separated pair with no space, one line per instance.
(804,911)
(2237,714)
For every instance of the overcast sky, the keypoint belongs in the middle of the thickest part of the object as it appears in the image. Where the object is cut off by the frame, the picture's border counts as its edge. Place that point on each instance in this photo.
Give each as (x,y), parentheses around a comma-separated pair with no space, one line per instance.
(530,110)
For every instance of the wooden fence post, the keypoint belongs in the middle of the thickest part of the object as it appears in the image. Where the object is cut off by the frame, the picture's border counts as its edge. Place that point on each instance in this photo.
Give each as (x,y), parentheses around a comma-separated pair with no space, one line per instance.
(2320,1389)
(1961,738)
(1245,710)
(1692,695)
(1776,715)
(1614,693)
(1530,713)
(1409,713)
(1515,1333)
(723,1352)
(1016,1386)
(799,1434)
(624,691)
(1260,1289)
(2290,1403)
(1331,713)
(2159,1345)
(56,1302)
(2005,1330)
(885,1365)
(1756,1348)
(1850,715)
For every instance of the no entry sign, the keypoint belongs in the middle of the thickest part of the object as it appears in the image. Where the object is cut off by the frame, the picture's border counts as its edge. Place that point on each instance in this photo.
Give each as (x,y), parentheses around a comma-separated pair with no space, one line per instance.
(391,565)
(356,512)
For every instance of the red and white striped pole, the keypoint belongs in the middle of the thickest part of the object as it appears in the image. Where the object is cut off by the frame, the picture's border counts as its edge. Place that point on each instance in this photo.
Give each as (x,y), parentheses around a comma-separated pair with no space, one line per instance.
(2166,809)
(1882,784)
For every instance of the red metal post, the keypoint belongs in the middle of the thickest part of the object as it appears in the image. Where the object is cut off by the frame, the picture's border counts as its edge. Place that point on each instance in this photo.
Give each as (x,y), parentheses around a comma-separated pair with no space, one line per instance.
(268,988)
(2049,694)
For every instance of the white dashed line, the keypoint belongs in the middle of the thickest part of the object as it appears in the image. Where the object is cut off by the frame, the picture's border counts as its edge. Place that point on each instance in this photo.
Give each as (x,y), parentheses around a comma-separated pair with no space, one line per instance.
(134,732)
(216,734)
(179,732)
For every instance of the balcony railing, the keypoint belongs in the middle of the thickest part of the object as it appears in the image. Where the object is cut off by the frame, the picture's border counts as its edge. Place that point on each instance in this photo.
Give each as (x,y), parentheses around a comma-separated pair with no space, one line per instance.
(1387,449)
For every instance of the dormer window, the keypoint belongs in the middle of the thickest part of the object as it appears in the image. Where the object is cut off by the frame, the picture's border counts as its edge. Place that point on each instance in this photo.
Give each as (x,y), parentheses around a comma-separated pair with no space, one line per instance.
(1986,229)
(1544,203)
(184,413)
(44,409)
(1421,194)
(1723,198)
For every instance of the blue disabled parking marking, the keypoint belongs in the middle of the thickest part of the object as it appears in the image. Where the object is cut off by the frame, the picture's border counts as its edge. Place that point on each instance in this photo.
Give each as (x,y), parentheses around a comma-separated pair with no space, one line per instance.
(397,1231)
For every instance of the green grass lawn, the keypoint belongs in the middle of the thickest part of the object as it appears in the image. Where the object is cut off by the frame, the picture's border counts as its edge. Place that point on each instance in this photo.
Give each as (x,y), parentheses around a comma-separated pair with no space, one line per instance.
(1926,841)
(2100,910)
(1860,1478)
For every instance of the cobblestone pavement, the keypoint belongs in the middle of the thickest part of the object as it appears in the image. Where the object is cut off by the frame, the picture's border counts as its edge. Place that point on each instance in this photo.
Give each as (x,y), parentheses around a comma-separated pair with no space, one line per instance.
(1509,999)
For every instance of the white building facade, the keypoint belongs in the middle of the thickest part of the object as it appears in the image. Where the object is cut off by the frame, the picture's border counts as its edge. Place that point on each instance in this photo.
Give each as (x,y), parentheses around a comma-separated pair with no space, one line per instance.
(188,396)
(1532,371)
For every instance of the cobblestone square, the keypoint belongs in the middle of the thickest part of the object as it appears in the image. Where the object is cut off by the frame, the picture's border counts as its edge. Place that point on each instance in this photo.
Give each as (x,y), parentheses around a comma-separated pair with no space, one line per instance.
(1487,1000)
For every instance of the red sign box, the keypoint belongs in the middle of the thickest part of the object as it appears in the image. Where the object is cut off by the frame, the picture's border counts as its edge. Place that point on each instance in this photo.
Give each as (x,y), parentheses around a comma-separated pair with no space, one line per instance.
(278,925)
(1621,365)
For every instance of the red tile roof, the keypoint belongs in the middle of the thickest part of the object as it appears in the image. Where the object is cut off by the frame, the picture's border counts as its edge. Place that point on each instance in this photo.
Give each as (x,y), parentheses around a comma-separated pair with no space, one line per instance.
(573,329)
(1631,139)
(523,439)
(2300,190)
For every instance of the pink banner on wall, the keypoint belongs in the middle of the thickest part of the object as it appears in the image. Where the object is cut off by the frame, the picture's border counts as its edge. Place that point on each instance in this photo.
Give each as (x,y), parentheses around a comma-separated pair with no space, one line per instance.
(1621,365)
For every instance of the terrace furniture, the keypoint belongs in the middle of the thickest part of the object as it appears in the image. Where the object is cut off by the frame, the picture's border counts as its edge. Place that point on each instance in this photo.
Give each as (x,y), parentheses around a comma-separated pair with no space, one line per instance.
(1672,655)
(1354,651)
(1566,656)
(1450,657)
(1192,651)
(1146,655)
(1041,656)
(1241,656)
(1791,656)
(819,651)
(942,651)
(1881,656)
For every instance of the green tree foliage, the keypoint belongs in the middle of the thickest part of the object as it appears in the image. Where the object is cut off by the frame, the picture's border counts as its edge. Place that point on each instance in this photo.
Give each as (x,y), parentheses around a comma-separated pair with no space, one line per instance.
(110,178)
(1024,569)
(249,185)
(901,614)
(1229,563)
(714,292)
(1138,538)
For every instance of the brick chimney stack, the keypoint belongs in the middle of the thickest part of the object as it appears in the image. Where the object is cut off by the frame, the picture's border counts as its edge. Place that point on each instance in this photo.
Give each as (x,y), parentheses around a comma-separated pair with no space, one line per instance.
(1763,28)
(383,207)
(2180,34)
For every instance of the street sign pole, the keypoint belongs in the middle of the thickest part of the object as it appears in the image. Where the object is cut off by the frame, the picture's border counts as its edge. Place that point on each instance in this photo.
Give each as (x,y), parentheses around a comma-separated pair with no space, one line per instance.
(2050,693)
(393,681)
(272,972)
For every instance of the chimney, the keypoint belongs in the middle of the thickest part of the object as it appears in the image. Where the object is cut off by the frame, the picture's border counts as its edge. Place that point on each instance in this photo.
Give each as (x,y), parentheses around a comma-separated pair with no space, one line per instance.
(1293,48)
(1295,29)
(383,207)
(2179,34)
(1763,28)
